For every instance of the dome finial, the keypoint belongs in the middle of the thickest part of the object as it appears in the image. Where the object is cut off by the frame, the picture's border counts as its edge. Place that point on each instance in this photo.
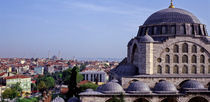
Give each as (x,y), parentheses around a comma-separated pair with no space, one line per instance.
(171,6)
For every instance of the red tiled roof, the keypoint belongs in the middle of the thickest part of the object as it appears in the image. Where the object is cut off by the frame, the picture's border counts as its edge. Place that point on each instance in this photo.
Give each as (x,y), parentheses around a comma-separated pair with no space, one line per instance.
(16,76)
(1,74)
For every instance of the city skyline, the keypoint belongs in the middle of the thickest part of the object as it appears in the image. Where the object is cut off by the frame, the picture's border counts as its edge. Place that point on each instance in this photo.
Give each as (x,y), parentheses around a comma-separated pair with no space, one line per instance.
(80,28)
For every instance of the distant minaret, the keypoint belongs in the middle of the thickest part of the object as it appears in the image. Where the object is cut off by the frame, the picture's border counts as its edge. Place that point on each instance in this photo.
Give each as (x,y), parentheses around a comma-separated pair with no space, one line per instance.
(59,54)
(49,54)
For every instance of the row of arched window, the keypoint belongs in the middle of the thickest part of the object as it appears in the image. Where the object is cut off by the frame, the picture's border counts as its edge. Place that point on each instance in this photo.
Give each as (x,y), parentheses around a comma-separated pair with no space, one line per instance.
(185,48)
(185,59)
(184,70)
(172,30)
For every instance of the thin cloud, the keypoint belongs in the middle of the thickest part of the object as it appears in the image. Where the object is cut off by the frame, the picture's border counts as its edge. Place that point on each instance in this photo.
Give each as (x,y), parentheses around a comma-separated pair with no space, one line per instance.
(109,9)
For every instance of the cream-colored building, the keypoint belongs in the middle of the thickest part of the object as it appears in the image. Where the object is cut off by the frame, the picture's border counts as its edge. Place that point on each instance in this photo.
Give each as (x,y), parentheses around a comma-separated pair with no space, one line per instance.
(25,82)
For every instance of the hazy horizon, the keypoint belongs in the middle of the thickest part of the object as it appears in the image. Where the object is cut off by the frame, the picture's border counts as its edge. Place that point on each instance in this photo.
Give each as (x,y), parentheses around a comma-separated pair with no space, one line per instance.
(79,28)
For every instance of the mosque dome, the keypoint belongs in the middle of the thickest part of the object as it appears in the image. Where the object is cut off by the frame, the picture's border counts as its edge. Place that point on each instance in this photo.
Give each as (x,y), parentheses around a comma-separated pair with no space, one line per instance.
(58,99)
(138,87)
(73,99)
(171,15)
(90,92)
(111,87)
(126,70)
(192,84)
(165,87)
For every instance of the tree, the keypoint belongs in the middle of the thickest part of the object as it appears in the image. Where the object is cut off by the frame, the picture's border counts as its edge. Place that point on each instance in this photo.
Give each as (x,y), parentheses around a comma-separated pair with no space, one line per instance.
(41,86)
(49,82)
(10,93)
(88,86)
(72,86)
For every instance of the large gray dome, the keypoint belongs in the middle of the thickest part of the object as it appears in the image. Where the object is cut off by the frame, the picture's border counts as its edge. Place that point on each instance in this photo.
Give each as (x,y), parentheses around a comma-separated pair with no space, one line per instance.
(171,15)
(111,88)
(126,70)
(138,87)
(165,87)
(192,84)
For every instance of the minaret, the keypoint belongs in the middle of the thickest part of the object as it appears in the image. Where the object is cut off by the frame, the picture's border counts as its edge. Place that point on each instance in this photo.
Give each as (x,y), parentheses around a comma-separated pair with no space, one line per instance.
(171,6)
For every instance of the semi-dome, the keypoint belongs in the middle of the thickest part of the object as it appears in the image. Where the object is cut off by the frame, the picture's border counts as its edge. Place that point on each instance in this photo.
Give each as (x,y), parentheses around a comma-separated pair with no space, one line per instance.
(110,88)
(126,70)
(146,38)
(192,84)
(138,87)
(165,87)
(171,15)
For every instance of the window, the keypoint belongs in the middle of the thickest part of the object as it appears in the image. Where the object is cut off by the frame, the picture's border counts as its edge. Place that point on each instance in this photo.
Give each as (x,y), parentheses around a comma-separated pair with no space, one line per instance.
(182,29)
(155,30)
(167,69)
(167,50)
(209,69)
(202,59)
(194,69)
(176,49)
(194,49)
(173,29)
(176,59)
(134,56)
(194,59)
(185,48)
(176,69)
(163,30)
(159,69)
(159,60)
(202,69)
(184,59)
(185,69)
(167,59)
(192,30)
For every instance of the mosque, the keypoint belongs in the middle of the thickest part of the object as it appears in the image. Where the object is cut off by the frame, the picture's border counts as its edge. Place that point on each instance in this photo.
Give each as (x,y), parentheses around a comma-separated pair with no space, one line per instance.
(168,61)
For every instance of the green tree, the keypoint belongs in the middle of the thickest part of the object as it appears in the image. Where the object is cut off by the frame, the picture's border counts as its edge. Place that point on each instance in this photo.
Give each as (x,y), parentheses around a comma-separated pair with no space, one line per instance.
(88,86)
(10,93)
(41,86)
(72,86)
(49,82)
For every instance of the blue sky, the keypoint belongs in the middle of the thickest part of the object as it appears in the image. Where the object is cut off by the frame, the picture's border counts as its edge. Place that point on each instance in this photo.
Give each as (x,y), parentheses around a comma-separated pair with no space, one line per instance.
(80,28)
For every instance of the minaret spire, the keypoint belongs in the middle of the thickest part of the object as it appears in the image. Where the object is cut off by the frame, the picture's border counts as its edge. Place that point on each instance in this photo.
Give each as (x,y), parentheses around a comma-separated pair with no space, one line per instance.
(171,6)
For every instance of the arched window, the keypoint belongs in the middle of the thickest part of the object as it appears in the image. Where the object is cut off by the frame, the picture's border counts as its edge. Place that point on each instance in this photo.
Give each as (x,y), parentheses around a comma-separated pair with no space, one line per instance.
(167,69)
(182,29)
(202,69)
(163,30)
(184,59)
(194,59)
(202,59)
(167,59)
(185,48)
(176,69)
(194,49)
(209,69)
(176,49)
(185,69)
(194,69)
(176,59)
(159,69)
(155,30)
(173,29)
(192,30)
(134,53)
